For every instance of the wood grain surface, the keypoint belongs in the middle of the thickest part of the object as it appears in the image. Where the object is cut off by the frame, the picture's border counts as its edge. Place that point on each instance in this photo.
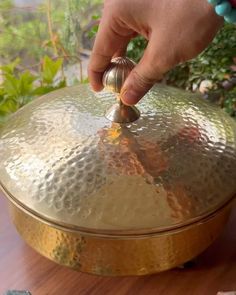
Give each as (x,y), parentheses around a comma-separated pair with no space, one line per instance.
(22,268)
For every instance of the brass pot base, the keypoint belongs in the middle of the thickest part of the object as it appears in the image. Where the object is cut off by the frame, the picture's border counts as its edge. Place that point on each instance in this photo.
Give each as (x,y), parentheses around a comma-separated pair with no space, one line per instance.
(119,256)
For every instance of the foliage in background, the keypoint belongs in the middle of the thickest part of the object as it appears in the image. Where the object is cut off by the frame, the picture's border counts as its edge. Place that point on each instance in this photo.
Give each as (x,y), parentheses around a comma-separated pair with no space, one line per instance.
(229,102)
(36,46)
(56,27)
(136,48)
(80,18)
(19,89)
(21,33)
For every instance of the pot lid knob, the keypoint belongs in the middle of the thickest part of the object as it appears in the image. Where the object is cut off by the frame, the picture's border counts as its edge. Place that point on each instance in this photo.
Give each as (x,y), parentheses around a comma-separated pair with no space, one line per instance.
(113,80)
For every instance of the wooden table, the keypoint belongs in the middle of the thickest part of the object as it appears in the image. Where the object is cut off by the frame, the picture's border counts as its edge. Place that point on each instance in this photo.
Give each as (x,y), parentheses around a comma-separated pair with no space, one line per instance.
(22,268)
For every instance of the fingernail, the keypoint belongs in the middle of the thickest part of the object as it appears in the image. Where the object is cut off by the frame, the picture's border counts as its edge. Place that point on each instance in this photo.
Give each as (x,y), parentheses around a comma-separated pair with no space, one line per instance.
(130,97)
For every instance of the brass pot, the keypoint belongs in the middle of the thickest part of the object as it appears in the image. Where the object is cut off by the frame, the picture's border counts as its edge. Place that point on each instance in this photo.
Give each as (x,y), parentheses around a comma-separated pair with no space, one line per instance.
(138,193)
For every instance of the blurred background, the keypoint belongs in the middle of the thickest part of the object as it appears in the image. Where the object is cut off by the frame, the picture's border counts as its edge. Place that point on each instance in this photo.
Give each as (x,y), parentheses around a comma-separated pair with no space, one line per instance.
(46,44)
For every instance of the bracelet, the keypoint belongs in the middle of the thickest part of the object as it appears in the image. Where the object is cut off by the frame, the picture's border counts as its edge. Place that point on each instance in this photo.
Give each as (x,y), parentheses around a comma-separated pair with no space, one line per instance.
(225,8)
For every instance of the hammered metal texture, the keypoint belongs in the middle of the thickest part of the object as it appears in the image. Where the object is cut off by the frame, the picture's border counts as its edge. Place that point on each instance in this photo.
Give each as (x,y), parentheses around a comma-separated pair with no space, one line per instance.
(63,160)
(122,256)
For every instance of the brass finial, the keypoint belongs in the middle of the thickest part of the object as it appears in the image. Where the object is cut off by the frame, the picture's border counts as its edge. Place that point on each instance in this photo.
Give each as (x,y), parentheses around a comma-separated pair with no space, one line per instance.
(113,80)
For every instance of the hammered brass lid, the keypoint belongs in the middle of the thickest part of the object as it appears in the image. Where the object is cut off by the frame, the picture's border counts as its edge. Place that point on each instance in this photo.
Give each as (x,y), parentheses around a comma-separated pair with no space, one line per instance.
(64,162)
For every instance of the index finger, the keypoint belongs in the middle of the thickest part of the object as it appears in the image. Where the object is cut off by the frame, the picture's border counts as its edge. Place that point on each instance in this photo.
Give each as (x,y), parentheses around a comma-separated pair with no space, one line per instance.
(108,43)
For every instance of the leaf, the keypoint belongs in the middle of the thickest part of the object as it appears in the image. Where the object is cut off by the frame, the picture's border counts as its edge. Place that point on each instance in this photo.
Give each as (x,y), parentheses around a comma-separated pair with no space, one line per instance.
(50,69)
(9,106)
(92,33)
(11,85)
(26,83)
(18,86)
(9,69)
(23,100)
(62,84)
(2,94)
(96,17)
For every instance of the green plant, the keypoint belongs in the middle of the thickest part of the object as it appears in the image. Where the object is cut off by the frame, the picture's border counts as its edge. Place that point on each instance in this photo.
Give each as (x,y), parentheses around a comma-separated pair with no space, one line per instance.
(136,48)
(21,33)
(17,89)
(55,27)
(229,104)
(40,41)
(80,15)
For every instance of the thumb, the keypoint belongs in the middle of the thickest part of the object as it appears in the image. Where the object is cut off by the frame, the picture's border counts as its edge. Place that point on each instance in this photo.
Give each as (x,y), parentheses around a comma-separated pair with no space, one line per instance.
(148,71)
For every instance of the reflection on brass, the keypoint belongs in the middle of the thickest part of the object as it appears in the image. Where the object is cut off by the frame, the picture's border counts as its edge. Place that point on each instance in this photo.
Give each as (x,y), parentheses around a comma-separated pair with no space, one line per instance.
(113,80)
(132,198)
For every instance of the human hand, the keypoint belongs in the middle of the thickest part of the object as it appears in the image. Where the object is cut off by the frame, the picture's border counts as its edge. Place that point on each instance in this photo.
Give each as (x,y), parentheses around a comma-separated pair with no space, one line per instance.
(177,30)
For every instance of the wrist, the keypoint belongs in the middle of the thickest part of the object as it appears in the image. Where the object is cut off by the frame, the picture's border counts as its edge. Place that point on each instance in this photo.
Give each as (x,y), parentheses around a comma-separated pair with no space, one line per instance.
(226,9)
